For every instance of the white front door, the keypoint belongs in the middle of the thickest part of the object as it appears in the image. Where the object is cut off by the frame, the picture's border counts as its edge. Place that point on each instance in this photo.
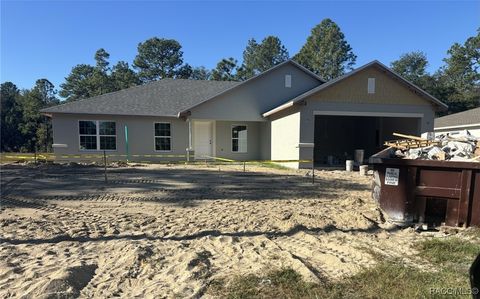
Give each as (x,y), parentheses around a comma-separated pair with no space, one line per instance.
(202,139)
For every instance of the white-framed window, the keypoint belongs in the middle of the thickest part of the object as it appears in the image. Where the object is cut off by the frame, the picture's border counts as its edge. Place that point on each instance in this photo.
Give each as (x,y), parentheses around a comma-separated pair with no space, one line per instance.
(239,138)
(97,135)
(371,85)
(288,81)
(163,137)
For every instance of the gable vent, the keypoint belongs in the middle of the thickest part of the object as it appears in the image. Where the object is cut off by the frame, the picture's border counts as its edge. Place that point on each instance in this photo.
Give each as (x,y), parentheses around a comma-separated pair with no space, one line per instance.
(371,85)
(288,81)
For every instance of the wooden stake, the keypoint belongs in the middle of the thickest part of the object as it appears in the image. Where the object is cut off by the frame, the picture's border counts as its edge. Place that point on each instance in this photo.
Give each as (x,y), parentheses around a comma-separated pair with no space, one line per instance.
(105,165)
(313,172)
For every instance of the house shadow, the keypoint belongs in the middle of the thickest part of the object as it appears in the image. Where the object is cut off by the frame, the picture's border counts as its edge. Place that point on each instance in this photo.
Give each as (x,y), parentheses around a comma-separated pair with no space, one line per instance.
(373,228)
(179,186)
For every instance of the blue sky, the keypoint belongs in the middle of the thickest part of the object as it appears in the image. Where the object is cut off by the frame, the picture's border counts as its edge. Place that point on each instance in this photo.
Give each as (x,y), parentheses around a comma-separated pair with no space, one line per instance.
(46,39)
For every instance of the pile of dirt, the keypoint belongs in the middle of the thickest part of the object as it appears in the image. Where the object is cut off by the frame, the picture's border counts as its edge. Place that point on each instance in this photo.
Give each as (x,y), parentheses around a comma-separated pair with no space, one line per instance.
(66,283)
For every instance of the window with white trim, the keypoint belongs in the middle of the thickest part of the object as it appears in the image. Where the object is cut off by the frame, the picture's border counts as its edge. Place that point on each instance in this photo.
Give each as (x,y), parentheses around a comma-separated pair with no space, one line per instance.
(97,135)
(163,137)
(239,138)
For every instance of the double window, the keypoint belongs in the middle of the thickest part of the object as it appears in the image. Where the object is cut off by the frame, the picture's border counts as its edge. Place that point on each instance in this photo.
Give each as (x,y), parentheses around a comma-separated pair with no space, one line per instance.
(97,135)
(239,138)
(163,137)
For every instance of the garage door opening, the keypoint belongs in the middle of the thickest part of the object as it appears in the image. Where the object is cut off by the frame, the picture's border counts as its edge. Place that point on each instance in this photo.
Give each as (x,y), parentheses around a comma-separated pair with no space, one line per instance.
(337,136)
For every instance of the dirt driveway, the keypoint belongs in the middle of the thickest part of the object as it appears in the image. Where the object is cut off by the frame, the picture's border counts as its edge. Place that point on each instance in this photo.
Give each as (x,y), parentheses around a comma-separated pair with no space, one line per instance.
(169,231)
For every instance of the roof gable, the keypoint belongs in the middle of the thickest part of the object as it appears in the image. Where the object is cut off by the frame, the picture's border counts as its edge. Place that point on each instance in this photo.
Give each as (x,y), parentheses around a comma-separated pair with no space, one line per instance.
(249,99)
(401,87)
(257,77)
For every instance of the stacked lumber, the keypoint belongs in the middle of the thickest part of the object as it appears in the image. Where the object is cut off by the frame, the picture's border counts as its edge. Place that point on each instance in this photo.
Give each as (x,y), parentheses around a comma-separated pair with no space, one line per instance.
(461,147)
(410,142)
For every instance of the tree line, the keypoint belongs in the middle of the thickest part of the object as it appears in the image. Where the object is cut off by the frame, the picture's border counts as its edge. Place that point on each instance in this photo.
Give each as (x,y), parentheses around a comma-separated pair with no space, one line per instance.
(326,52)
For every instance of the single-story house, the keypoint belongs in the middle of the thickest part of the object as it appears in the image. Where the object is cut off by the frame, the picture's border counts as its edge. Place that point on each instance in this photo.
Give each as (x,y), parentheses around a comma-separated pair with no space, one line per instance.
(458,122)
(284,113)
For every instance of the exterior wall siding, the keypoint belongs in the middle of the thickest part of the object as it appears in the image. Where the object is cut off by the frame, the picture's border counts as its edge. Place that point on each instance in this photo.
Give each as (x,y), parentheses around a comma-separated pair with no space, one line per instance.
(223,142)
(140,135)
(285,135)
(249,101)
(265,141)
(354,90)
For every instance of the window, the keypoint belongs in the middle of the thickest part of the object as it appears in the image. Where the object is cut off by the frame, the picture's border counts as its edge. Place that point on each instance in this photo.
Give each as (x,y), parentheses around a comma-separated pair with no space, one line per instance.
(108,137)
(288,81)
(97,135)
(88,135)
(239,138)
(163,137)
(371,85)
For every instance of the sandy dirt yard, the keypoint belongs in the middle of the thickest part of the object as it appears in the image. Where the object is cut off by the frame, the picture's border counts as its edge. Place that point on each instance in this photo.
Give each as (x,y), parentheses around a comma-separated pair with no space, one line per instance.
(168,231)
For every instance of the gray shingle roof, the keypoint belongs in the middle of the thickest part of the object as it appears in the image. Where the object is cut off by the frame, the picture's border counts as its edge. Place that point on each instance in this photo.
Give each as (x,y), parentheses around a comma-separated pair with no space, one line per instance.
(468,117)
(160,98)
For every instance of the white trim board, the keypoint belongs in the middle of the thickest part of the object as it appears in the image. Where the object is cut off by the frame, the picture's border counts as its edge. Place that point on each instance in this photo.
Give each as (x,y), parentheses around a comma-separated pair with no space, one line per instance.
(457,127)
(375,114)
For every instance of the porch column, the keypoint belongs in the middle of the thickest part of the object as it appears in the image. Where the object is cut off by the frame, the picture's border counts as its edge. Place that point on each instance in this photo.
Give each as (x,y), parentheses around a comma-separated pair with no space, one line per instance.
(190,152)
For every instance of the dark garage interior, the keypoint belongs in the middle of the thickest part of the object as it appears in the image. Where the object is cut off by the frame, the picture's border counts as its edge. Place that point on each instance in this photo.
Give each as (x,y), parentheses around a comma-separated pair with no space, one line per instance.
(337,137)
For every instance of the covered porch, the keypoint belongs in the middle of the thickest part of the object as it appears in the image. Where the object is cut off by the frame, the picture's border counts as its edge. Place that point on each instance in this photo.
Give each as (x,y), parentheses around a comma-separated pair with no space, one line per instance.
(210,139)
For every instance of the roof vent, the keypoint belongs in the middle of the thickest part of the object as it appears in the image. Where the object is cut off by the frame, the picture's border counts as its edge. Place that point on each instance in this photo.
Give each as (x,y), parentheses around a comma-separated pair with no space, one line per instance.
(371,85)
(288,81)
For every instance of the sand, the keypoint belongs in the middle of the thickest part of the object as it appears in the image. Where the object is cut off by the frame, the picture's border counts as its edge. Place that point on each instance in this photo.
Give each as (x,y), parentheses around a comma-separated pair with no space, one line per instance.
(168,231)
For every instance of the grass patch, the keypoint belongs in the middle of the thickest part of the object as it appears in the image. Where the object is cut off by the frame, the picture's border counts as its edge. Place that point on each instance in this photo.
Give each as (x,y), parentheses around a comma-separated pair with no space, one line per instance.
(386,280)
(473,232)
(283,283)
(270,165)
(450,257)
(449,251)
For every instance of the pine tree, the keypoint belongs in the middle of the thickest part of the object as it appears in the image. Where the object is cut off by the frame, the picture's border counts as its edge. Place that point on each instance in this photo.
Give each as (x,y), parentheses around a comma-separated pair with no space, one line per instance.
(326,51)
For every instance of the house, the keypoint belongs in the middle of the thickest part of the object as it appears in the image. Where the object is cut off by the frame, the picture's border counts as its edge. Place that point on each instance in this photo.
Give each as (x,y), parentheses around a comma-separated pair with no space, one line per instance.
(276,115)
(458,122)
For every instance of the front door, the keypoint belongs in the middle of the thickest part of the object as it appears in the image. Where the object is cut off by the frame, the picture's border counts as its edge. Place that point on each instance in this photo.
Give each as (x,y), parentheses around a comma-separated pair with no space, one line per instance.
(202,136)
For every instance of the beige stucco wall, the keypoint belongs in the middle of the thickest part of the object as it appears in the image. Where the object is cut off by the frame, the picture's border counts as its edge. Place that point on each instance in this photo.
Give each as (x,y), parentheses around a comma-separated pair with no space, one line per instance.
(265,140)
(141,137)
(250,100)
(140,134)
(387,90)
(285,135)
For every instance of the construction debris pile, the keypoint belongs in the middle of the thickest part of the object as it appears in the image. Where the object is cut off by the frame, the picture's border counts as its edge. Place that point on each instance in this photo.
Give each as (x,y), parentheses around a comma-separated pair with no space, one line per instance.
(460,147)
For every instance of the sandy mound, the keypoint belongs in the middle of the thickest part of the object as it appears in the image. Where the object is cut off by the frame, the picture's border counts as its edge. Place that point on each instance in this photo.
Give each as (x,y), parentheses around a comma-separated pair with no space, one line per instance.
(65,283)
